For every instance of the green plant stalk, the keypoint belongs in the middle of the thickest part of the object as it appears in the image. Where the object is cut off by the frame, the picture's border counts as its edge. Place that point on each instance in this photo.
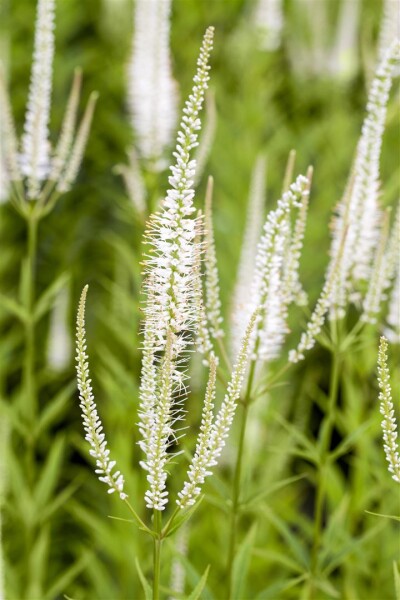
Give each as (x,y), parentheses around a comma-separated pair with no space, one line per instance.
(29,361)
(325,442)
(29,383)
(157,554)
(237,479)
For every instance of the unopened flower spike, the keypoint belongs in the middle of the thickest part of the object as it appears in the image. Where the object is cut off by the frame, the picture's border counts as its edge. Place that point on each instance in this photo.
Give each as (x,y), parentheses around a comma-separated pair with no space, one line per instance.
(213,302)
(267,289)
(91,421)
(389,425)
(214,431)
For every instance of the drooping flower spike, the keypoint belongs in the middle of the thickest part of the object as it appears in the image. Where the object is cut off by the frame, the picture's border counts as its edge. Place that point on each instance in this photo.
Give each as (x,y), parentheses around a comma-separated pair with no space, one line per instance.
(91,420)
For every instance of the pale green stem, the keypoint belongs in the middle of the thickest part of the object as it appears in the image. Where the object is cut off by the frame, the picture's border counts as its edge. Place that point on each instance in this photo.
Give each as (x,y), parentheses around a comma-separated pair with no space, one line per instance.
(29,300)
(157,554)
(237,480)
(325,444)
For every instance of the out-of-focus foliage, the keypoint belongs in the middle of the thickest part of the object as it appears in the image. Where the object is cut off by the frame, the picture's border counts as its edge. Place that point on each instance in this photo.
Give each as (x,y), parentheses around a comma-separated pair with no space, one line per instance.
(264,105)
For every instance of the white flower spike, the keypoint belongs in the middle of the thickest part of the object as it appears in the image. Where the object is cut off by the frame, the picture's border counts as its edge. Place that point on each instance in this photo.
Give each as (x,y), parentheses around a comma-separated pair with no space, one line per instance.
(91,421)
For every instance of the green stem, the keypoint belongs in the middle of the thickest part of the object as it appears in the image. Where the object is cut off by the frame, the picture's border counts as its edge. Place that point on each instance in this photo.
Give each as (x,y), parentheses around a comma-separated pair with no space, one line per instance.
(29,300)
(237,480)
(224,353)
(157,555)
(325,443)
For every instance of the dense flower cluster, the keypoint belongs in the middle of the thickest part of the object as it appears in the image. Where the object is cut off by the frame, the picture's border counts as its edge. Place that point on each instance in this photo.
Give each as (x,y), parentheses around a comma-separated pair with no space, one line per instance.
(172,232)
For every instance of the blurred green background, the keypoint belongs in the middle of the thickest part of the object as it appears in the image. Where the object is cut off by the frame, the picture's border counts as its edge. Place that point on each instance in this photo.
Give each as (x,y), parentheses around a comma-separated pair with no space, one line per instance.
(266,102)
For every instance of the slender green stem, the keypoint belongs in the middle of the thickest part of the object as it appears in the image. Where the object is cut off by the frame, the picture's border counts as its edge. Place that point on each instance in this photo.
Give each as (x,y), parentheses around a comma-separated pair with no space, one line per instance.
(157,555)
(29,300)
(224,353)
(325,443)
(237,480)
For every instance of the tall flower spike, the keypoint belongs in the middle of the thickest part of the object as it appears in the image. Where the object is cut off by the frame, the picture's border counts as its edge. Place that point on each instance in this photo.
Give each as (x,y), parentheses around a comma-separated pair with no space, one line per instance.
(358,212)
(213,433)
(153,94)
(388,424)
(67,129)
(366,169)
(75,159)
(172,232)
(251,236)
(267,288)
(35,158)
(199,465)
(213,302)
(91,421)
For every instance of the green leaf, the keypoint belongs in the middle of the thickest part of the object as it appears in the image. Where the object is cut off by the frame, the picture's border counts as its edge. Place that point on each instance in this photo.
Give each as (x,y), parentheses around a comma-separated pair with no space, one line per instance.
(145,584)
(58,501)
(241,565)
(347,443)
(272,592)
(258,496)
(14,308)
(50,473)
(67,577)
(292,540)
(180,520)
(45,301)
(37,564)
(54,408)
(200,586)
(396,575)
